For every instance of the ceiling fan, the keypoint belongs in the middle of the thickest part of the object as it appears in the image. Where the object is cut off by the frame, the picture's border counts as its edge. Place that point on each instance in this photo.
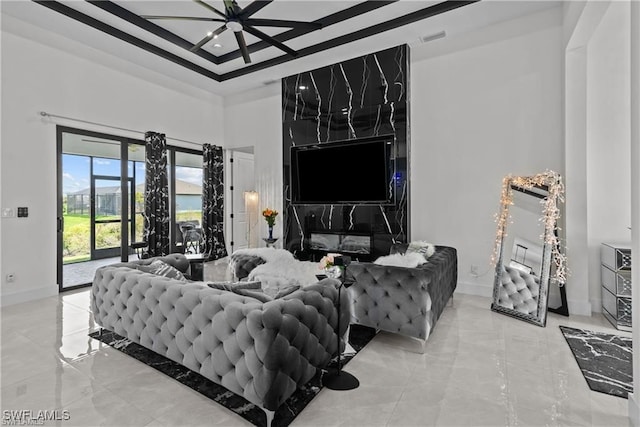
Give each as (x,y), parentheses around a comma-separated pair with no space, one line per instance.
(238,20)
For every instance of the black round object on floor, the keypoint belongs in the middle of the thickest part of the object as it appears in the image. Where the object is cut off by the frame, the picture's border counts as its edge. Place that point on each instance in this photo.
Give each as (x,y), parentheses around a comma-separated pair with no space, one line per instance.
(339,380)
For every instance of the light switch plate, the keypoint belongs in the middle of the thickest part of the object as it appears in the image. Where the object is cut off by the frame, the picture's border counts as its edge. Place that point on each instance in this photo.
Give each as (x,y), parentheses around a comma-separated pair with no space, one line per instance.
(8,213)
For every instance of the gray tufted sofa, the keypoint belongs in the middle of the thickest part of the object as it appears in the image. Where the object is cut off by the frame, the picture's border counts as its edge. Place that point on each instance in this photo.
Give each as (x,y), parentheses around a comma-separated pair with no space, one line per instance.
(261,351)
(403,300)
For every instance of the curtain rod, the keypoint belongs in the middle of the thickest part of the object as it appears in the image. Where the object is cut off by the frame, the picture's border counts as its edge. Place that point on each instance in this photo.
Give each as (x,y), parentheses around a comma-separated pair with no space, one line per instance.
(45,114)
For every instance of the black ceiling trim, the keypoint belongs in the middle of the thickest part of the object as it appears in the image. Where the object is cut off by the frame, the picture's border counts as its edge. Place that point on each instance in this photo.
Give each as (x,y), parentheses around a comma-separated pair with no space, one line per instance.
(418,15)
(157,30)
(85,19)
(134,19)
(334,18)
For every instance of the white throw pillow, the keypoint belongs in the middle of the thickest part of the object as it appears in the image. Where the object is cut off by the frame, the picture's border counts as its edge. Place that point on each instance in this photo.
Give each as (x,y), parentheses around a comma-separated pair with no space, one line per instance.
(425,248)
(409,260)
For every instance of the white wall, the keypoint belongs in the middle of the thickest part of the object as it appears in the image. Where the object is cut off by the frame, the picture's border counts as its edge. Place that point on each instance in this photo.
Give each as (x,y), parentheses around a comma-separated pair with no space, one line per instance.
(36,77)
(634,113)
(254,118)
(483,105)
(608,139)
(597,146)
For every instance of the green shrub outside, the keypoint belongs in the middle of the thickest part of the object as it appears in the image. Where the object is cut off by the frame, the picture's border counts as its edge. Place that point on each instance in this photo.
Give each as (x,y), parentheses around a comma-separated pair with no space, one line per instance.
(76,237)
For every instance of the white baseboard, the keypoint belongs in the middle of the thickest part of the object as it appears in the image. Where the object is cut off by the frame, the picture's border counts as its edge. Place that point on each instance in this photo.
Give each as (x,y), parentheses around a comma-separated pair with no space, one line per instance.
(576,307)
(474,289)
(634,410)
(30,295)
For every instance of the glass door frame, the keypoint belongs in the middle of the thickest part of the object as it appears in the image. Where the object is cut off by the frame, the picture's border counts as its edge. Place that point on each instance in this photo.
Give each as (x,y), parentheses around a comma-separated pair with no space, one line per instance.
(171,169)
(125,208)
(99,253)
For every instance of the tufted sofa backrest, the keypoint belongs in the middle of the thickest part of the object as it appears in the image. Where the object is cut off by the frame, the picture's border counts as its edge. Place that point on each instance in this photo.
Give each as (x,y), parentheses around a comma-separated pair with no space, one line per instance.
(178,261)
(261,351)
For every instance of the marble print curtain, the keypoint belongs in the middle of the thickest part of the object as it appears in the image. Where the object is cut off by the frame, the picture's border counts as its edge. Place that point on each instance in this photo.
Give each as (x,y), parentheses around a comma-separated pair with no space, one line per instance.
(156,195)
(213,202)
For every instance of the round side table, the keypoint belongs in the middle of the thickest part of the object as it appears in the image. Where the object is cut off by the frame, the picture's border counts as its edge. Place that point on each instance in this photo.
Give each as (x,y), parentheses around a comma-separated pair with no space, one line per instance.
(270,242)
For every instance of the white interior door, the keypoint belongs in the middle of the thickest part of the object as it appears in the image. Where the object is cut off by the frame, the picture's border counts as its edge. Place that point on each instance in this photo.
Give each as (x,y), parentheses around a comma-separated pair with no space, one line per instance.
(243,223)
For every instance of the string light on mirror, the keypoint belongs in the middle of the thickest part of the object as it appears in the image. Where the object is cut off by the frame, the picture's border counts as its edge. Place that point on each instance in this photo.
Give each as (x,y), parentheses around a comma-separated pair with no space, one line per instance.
(552,181)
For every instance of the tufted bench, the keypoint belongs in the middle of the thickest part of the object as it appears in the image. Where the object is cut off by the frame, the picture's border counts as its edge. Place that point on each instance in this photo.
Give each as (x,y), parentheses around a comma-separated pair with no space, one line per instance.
(261,351)
(403,300)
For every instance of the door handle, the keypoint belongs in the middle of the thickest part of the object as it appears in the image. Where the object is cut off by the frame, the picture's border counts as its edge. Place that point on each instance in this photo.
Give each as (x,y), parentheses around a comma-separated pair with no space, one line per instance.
(60,224)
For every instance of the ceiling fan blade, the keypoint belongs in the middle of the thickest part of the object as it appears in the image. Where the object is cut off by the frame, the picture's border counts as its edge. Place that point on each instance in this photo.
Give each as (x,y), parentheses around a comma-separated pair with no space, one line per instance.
(282,23)
(207,38)
(200,43)
(184,18)
(269,40)
(253,8)
(243,47)
(211,8)
(231,7)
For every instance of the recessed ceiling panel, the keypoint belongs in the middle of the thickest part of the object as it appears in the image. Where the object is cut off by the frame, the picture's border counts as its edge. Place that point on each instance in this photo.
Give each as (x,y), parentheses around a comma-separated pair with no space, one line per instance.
(183,46)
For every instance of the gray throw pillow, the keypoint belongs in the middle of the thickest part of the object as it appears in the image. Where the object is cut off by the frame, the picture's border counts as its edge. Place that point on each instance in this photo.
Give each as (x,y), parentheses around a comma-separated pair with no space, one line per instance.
(253,293)
(161,268)
(230,286)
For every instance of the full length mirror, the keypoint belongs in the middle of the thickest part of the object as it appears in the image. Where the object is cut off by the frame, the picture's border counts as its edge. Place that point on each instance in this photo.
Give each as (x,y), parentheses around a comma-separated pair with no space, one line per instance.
(527,255)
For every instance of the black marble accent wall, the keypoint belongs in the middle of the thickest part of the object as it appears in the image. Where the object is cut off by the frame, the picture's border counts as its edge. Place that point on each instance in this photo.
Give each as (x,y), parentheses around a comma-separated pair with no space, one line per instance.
(358,98)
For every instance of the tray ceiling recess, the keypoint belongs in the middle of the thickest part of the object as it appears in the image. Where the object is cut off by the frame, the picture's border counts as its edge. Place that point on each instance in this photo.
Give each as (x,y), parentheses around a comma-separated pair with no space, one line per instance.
(225,39)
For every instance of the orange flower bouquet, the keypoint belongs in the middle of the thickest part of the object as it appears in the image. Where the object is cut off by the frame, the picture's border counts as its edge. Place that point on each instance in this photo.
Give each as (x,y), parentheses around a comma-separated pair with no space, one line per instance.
(270,215)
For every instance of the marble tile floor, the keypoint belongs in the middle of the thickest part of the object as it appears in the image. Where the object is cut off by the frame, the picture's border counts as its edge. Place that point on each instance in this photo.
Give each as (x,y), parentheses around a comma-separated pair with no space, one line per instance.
(79,273)
(480,368)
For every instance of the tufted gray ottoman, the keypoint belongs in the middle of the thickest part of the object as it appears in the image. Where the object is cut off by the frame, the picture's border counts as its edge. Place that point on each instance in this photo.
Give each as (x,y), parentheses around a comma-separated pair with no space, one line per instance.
(403,300)
(261,351)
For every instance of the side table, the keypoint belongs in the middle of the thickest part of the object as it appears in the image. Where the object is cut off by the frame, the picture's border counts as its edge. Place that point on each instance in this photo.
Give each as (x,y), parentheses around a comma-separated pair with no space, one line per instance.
(196,266)
(616,285)
(270,242)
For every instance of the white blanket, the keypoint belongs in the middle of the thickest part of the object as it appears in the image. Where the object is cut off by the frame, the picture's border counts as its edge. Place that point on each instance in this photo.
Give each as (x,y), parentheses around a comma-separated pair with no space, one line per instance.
(268,254)
(284,272)
(410,260)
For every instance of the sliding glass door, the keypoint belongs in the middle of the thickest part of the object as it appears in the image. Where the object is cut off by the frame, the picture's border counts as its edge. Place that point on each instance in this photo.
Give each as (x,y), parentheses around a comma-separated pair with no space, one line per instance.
(186,200)
(100,201)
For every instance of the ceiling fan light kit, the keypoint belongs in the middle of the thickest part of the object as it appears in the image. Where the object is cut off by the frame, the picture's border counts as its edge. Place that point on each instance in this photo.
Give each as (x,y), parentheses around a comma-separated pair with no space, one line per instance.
(239,21)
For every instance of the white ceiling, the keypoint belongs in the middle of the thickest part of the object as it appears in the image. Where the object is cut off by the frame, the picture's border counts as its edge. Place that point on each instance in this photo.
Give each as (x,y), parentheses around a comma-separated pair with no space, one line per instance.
(34,21)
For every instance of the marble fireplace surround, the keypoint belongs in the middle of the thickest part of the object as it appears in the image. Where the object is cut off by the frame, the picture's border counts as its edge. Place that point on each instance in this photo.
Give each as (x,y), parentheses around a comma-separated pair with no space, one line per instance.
(358,98)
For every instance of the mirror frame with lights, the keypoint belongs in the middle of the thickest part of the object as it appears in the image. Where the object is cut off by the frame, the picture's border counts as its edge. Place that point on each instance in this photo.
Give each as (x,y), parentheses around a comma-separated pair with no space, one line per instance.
(547,187)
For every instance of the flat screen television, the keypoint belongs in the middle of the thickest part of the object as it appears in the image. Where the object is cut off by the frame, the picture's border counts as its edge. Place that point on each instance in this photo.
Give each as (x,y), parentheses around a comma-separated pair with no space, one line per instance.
(358,171)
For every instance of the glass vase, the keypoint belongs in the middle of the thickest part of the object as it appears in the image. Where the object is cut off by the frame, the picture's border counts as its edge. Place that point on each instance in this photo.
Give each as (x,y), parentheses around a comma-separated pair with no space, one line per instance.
(333,272)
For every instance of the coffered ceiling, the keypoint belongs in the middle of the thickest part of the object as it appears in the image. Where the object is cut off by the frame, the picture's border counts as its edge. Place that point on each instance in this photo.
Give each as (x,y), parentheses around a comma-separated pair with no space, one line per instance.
(129,32)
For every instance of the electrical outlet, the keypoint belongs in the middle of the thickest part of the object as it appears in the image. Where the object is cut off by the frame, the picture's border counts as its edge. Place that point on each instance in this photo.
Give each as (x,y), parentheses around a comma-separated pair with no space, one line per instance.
(11,277)
(8,213)
(474,269)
